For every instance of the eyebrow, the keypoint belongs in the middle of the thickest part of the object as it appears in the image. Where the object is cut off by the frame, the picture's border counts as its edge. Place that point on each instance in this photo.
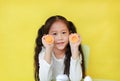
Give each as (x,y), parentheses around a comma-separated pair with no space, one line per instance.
(61,30)
(56,31)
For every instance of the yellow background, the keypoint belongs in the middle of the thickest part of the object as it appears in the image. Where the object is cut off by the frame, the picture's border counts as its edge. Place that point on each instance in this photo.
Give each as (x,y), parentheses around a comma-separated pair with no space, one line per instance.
(97,21)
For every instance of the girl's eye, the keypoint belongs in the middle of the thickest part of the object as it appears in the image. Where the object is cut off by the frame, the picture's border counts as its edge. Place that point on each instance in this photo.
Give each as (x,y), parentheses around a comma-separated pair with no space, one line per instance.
(63,32)
(54,33)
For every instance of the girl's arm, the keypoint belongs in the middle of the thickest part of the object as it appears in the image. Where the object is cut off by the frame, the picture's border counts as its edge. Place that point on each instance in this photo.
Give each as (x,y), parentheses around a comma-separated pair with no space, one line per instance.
(75,64)
(75,69)
(45,60)
(48,55)
(45,70)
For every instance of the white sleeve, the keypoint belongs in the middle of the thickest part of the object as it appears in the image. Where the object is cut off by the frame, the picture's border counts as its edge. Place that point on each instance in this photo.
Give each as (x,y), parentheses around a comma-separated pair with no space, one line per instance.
(75,69)
(45,70)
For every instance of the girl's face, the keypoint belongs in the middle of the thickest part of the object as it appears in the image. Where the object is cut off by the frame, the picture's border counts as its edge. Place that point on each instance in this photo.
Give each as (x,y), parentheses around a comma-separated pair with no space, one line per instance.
(60,33)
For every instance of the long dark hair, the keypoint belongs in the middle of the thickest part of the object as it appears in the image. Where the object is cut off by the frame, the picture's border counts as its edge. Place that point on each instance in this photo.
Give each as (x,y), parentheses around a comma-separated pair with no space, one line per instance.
(44,29)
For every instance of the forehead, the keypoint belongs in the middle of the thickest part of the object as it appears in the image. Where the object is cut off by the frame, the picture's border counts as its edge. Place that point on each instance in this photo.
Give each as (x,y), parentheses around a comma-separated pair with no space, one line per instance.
(58,26)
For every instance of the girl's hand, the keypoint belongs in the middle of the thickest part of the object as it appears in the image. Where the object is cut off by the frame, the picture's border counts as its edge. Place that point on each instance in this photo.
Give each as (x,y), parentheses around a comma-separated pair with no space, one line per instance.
(75,41)
(48,41)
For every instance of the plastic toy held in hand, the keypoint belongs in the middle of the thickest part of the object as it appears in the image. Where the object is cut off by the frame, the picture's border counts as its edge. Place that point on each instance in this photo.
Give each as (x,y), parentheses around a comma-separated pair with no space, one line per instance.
(49,39)
(74,38)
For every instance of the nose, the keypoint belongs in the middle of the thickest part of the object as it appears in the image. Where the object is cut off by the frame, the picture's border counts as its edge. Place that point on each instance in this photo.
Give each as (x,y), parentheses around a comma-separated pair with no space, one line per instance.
(60,36)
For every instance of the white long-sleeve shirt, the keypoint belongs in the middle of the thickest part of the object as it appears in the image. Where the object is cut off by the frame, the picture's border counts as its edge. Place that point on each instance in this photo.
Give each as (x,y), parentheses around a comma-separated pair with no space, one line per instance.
(48,72)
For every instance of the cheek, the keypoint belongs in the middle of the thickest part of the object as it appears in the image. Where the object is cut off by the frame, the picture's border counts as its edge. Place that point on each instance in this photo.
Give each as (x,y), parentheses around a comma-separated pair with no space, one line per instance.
(55,38)
(66,39)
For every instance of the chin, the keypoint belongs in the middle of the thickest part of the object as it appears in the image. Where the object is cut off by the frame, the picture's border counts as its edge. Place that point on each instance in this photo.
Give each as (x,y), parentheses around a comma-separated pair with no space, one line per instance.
(60,47)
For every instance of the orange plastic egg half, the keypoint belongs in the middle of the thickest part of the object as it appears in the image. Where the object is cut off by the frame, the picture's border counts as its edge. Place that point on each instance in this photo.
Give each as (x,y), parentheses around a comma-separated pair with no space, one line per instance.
(49,39)
(74,38)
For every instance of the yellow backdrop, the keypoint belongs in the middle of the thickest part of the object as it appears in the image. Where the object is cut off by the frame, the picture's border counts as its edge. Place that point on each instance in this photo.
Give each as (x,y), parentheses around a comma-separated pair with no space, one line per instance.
(97,21)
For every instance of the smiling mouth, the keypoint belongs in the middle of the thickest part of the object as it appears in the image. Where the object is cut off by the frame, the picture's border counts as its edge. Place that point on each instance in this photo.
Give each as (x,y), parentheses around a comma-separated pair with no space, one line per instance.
(60,43)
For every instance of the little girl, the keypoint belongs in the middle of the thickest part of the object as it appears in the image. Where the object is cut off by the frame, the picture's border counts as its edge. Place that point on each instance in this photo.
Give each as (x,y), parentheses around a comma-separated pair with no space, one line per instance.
(60,57)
